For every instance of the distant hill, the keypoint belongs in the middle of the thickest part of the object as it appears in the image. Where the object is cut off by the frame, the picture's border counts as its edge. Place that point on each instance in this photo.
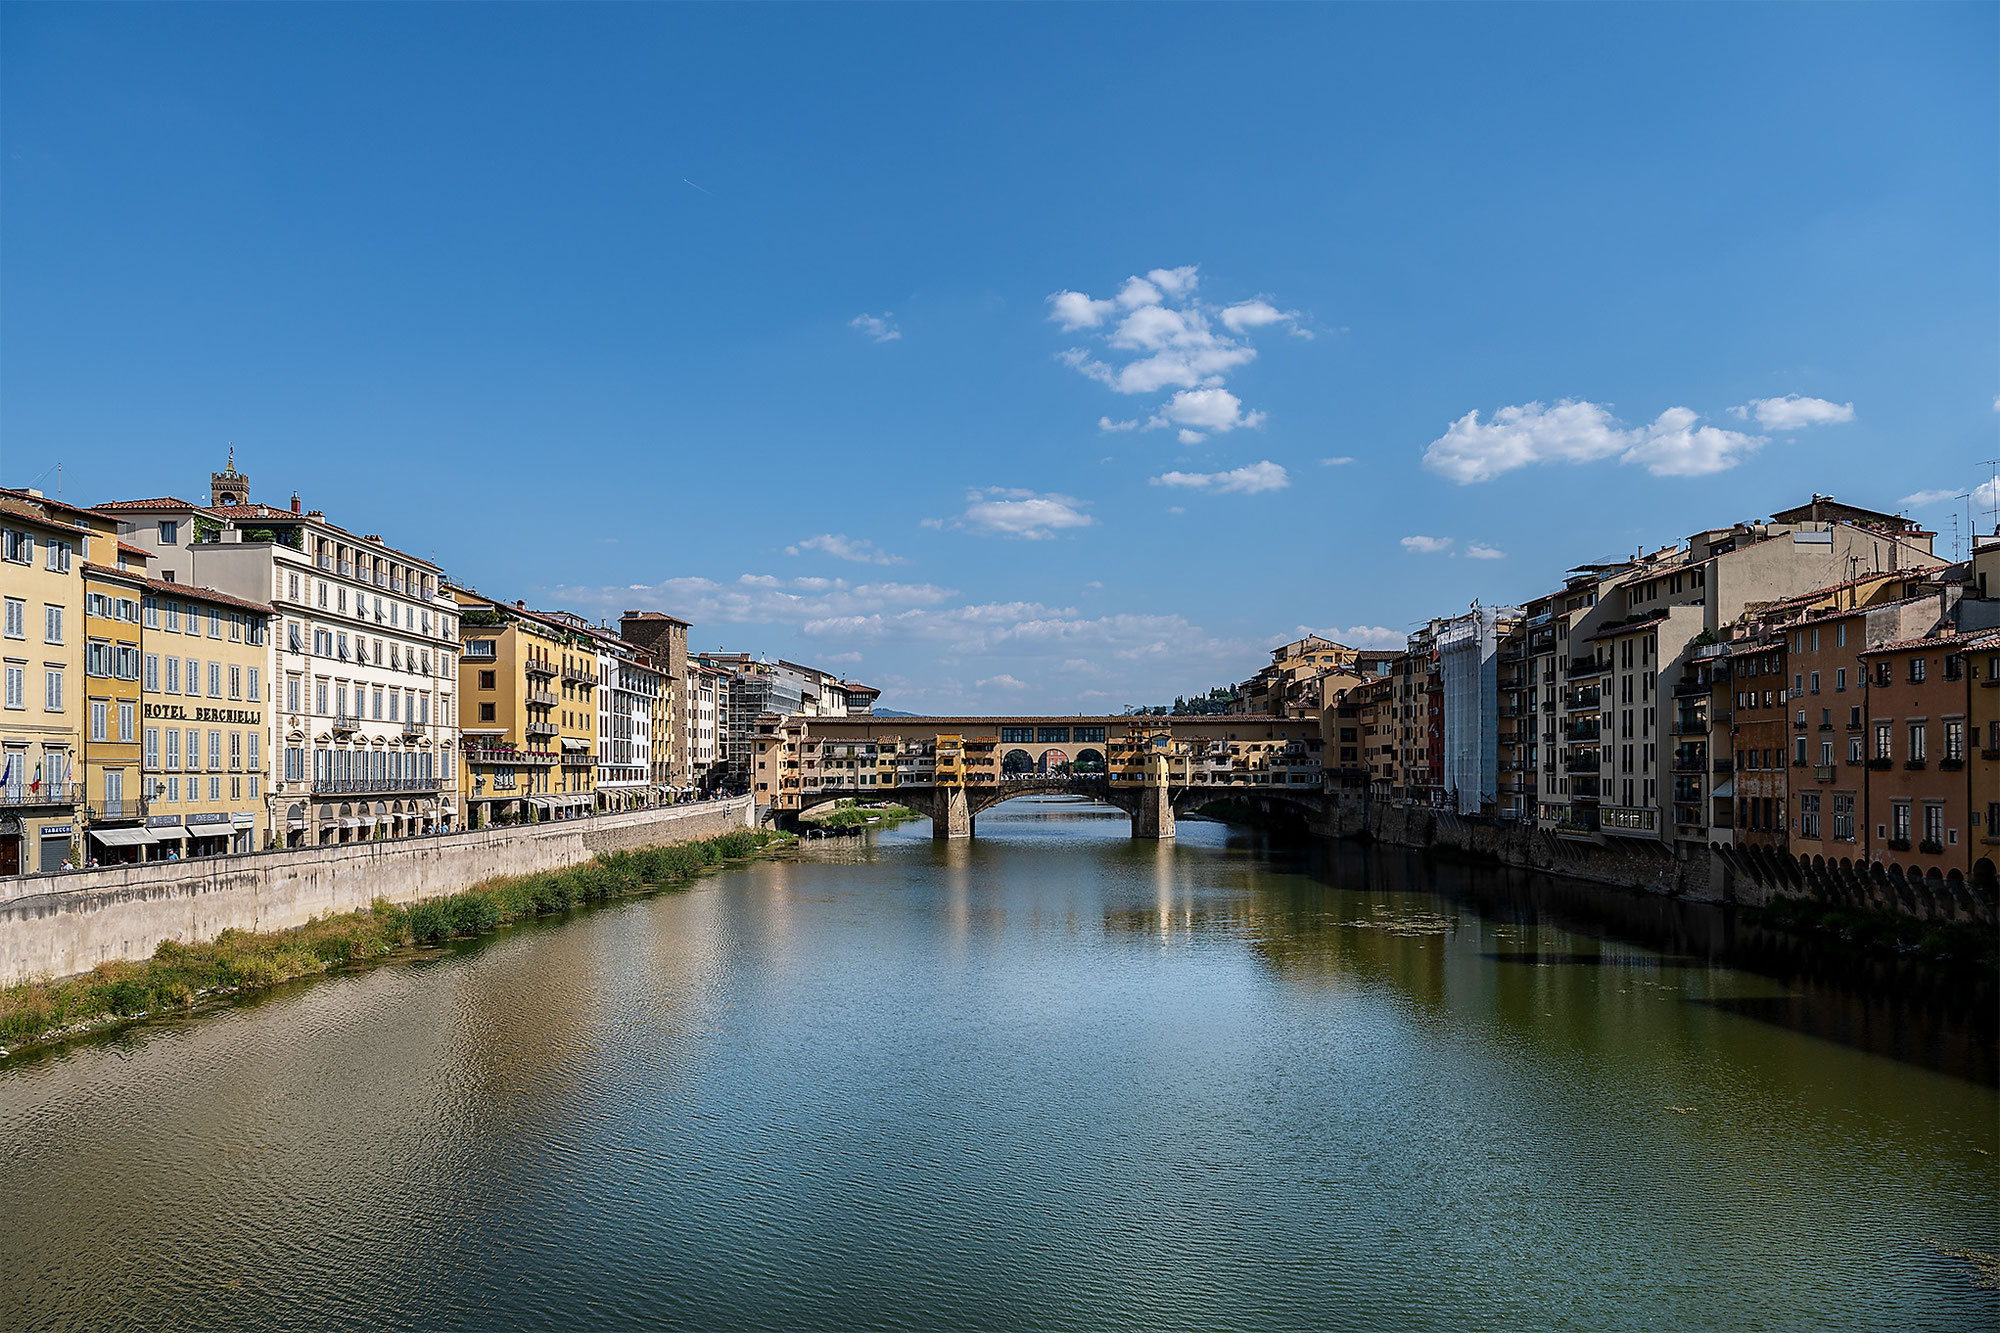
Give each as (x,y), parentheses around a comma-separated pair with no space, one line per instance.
(895,712)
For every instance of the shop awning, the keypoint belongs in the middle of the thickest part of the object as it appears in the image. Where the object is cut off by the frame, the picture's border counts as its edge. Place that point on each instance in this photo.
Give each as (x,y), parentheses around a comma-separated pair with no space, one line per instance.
(542,802)
(124,837)
(572,744)
(350,822)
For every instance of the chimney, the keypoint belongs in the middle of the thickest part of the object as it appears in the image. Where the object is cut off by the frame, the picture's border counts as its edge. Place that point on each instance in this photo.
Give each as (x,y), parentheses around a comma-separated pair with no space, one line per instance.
(520,605)
(295,502)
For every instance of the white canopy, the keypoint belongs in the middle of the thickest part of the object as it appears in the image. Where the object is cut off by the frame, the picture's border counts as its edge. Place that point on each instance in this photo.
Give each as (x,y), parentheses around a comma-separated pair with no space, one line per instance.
(124,837)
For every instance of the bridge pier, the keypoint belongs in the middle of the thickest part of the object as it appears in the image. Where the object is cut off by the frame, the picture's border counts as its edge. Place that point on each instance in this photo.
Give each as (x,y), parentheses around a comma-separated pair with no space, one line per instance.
(951,815)
(1154,817)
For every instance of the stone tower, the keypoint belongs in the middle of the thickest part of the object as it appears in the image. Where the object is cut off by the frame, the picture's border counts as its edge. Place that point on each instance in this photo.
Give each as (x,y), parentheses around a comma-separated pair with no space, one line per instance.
(229,487)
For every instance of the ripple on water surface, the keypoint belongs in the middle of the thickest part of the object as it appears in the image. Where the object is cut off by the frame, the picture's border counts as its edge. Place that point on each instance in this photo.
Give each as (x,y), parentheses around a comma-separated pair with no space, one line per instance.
(1053,1078)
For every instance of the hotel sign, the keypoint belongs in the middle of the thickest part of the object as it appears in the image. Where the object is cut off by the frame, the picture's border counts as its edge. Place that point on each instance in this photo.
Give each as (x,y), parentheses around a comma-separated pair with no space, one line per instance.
(244,717)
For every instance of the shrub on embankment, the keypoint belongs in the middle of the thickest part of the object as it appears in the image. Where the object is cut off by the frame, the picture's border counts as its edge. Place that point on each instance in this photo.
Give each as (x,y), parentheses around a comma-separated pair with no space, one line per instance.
(236,960)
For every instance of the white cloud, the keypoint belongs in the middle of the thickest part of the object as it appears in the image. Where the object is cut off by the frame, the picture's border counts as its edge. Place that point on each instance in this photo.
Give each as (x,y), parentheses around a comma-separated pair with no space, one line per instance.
(859,550)
(1107,425)
(1215,410)
(1794,412)
(1191,437)
(1255,315)
(882,328)
(1673,446)
(1003,681)
(755,598)
(1986,495)
(1166,337)
(841,659)
(1004,512)
(1924,499)
(1367,636)
(1176,282)
(1427,545)
(1481,551)
(1576,431)
(1248,480)
(1074,310)
(1342,461)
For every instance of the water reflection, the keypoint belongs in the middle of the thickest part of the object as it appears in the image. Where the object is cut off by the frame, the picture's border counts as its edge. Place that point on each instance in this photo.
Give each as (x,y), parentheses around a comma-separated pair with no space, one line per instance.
(1051,1077)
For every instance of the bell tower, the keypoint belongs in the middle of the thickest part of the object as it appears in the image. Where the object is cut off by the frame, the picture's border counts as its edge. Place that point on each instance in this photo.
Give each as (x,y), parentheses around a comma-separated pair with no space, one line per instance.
(229,487)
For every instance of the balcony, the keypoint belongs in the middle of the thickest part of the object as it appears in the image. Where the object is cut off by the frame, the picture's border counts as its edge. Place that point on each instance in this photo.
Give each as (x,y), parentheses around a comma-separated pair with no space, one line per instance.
(1725,766)
(1690,726)
(542,730)
(122,808)
(52,793)
(1951,765)
(371,786)
(1583,670)
(544,698)
(1581,765)
(346,722)
(1580,701)
(1689,764)
(538,666)
(575,759)
(1916,763)
(1823,772)
(1931,848)
(579,675)
(1689,689)
(1581,731)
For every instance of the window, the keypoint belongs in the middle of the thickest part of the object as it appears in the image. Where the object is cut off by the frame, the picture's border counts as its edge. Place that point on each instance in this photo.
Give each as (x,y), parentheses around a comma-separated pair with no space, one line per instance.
(152,684)
(1882,743)
(52,629)
(17,618)
(170,532)
(1934,823)
(152,747)
(319,698)
(1843,816)
(215,680)
(1840,635)
(1799,751)
(128,720)
(99,730)
(235,681)
(215,749)
(52,691)
(1809,815)
(1918,732)
(291,694)
(292,587)
(256,684)
(58,557)
(17,686)
(214,623)
(378,703)
(193,758)
(19,547)
(236,749)
(486,713)
(1917,670)
(486,679)
(1954,739)
(173,747)
(173,675)
(1899,821)
(1812,681)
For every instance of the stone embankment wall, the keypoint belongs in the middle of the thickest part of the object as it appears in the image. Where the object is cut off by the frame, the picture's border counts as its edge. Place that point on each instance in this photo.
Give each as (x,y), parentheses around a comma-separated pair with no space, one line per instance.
(1699,873)
(59,925)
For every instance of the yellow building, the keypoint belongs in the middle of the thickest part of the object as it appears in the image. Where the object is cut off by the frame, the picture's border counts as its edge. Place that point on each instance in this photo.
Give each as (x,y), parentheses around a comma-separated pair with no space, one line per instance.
(42,553)
(205,724)
(526,714)
(113,792)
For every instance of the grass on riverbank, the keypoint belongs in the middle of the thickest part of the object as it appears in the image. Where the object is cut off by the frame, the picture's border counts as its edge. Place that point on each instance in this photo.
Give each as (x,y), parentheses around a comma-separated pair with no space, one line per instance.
(848,814)
(236,961)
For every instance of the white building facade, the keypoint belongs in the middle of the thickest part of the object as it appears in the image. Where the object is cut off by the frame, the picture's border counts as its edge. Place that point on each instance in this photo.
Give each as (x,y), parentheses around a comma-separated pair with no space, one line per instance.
(363,658)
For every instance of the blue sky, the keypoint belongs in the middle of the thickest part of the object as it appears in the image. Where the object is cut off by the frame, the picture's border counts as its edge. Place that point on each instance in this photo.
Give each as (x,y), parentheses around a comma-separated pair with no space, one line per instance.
(818,326)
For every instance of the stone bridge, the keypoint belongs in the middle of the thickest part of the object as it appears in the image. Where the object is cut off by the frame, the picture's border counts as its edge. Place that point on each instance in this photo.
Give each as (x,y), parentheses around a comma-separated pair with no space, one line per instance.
(954,811)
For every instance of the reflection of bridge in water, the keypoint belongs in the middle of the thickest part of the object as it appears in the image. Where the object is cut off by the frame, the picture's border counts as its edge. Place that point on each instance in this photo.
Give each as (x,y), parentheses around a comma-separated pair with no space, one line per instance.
(951,768)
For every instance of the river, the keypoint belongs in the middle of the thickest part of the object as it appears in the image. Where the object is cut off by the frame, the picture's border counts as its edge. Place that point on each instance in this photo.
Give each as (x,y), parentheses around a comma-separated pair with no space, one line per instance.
(1049,1079)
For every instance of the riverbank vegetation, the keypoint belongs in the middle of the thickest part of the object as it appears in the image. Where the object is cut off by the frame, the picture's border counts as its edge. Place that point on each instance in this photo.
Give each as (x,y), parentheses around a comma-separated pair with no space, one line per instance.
(1950,944)
(177,975)
(849,814)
